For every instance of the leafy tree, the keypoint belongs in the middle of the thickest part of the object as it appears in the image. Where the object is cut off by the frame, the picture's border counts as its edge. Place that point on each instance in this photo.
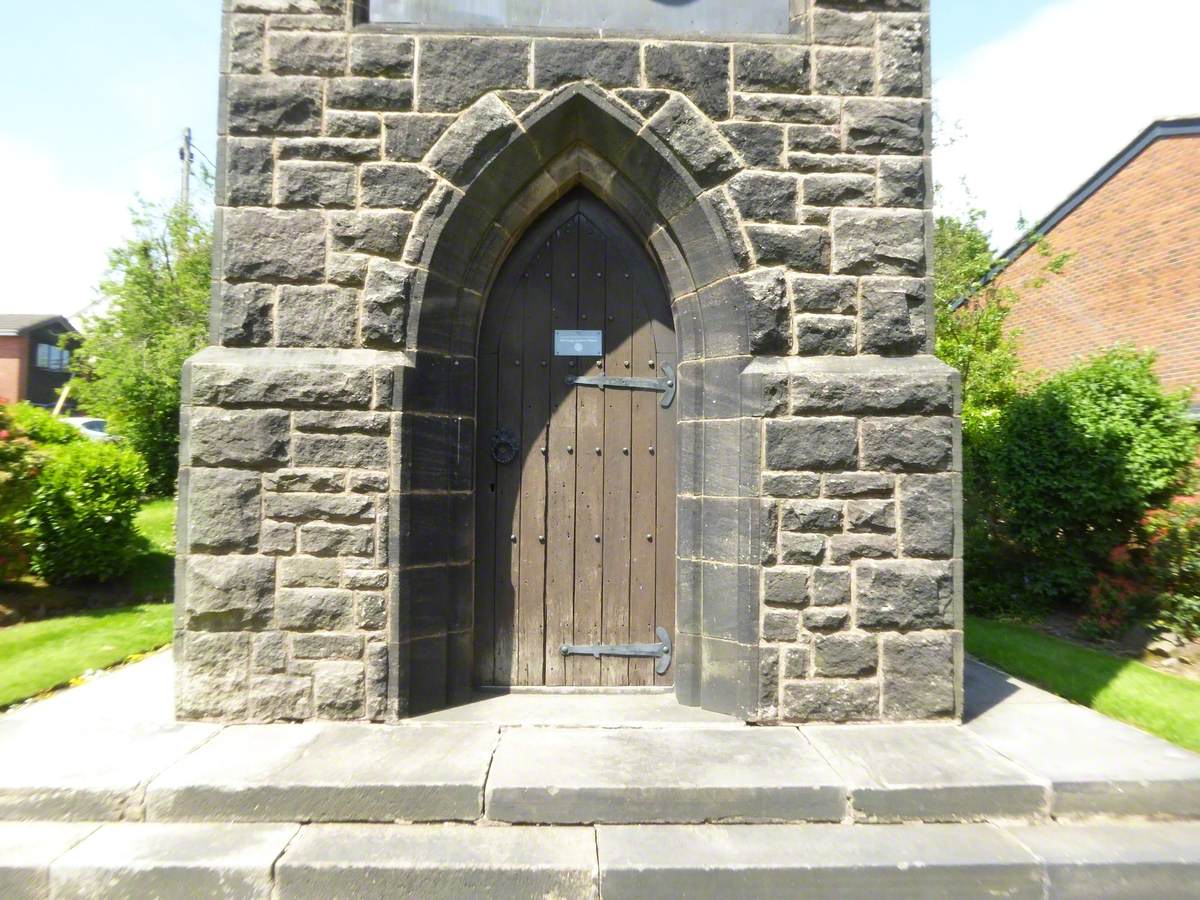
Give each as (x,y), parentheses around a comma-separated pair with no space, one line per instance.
(129,365)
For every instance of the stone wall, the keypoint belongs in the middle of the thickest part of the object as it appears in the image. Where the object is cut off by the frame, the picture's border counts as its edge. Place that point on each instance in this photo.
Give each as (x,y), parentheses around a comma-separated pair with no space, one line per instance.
(369,183)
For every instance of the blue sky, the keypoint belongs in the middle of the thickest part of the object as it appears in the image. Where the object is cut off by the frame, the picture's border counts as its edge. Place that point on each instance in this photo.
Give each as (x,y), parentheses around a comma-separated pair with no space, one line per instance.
(1032,95)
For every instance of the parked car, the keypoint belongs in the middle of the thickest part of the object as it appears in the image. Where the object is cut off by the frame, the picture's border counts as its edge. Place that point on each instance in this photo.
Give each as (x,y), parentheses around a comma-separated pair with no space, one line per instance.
(92,429)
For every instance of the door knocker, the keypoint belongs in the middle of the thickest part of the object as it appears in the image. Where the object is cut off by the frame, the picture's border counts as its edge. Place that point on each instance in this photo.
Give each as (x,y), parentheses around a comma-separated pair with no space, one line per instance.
(505,446)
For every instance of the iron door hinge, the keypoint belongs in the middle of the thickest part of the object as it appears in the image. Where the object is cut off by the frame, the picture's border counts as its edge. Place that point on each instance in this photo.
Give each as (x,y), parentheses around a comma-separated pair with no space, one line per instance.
(665,386)
(660,652)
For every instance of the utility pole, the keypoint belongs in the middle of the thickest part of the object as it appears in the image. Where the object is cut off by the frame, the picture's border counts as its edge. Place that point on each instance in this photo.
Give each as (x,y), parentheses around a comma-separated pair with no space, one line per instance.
(185,157)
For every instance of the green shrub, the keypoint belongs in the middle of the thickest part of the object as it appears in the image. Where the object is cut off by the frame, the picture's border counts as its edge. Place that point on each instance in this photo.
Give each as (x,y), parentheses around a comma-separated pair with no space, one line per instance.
(80,518)
(19,465)
(42,426)
(1068,472)
(1167,562)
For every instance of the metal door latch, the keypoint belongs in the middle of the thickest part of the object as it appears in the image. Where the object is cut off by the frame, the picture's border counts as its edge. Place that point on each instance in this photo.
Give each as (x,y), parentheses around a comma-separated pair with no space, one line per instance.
(665,386)
(660,652)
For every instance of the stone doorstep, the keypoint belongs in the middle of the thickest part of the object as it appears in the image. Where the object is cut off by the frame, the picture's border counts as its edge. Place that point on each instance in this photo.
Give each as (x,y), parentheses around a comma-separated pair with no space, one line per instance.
(124,861)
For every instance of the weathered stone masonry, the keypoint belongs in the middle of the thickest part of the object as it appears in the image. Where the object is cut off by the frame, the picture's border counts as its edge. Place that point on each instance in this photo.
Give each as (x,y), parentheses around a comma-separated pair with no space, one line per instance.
(370,182)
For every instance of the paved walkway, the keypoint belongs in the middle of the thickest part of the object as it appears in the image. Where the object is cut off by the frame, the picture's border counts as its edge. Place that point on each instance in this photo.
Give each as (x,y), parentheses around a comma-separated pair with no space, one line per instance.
(632,796)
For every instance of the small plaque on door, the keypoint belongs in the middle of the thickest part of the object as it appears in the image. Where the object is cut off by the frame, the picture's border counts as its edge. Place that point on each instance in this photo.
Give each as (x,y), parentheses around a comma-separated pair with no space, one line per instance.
(578,343)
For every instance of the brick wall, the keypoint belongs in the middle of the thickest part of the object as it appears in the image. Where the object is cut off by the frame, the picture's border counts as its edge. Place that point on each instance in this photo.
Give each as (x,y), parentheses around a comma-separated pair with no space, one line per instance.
(14,352)
(1134,275)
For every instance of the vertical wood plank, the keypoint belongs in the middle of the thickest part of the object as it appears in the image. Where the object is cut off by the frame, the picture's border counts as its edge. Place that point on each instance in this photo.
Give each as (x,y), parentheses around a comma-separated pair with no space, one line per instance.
(560,488)
(535,391)
(643,483)
(618,408)
(508,486)
(589,468)
(485,522)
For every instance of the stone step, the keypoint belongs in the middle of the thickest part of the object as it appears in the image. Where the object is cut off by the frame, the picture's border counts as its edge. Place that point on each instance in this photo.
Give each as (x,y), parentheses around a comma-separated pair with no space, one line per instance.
(1105,861)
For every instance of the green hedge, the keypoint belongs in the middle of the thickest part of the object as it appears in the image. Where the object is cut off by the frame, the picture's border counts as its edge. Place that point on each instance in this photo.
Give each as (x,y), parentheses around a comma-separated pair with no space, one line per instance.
(80,518)
(42,426)
(1064,475)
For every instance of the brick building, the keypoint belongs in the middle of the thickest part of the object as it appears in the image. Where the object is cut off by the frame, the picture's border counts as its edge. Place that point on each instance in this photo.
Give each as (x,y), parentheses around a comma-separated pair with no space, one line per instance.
(1133,232)
(32,365)
(592,352)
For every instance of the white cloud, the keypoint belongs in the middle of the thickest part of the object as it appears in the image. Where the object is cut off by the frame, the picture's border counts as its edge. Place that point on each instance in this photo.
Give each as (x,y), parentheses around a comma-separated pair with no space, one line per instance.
(1028,117)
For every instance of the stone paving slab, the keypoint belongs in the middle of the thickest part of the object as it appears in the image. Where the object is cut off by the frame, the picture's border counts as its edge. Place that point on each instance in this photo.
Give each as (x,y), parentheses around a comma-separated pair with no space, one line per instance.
(640,710)
(954,862)
(580,775)
(82,771)
(985,686)
(438,861)
(136,861)
(933,773)
(27,850)
(1096,765)
(327,772)
(1107,861)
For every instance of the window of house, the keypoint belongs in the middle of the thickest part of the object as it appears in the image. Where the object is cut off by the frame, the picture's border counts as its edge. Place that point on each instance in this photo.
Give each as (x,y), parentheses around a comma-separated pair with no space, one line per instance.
(659,16)
(51,358)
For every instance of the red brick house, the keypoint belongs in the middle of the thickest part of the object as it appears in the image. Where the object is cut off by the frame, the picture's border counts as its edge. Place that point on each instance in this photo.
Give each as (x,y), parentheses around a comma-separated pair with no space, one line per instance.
(1133,232)
(32,366)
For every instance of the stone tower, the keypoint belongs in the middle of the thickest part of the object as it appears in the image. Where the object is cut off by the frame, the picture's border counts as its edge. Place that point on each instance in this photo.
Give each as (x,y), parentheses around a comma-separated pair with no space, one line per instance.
(378,164)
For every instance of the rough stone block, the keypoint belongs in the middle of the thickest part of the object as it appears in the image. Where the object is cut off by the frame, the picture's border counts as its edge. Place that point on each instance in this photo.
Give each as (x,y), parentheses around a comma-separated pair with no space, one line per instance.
(786,586)
(227,593)
(385,304)
(307,53)
(375,232)
(847,29)
(918,676)
(327,507)
(216,652)
(780,625)
(916,444)
(871,516)
(809,163)
(797,661)
(759,143)
(814,138)
(610,63)
(786,109)
(399,186)
(268,652)
(901,55)
(695,140)
(843,72)
(247,315)
(409,137)
(316,316)
(859,484)
(892,313)
(248,174)
(329,149)
(314,609)
(904,182)
(456,71)
(323,481)
(277,537)
(830,587)
(312,379)
(904,595)
(280,698)
(344,451)
(223,437)
(374,94)
(826,618)
(222,511)
(267,106)
(246,37)
(273,245)
(381,55)
(839,190)
(779,68)
(929,514)
(327,646)
(353,124)
(878,242)
(791,484)
(765,295)
(872,385)
(845,655)
(765,196)
(822,335)
(341,422)
(812,515)
(824,293)
(320,185)
(830,701)
(847,548)
(320,539)
(307,571)
(338,690)
(699,70)
(885,126)
(817,444)
(801,549)
(474,138)
(804,248)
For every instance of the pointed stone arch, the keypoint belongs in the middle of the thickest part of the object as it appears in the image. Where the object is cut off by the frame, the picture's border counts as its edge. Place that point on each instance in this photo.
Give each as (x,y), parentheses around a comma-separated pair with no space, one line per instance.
(498,169)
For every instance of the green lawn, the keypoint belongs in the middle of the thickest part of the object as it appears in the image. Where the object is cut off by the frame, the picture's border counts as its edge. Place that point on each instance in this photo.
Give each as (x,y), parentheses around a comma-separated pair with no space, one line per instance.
(1122,688)
(39,656)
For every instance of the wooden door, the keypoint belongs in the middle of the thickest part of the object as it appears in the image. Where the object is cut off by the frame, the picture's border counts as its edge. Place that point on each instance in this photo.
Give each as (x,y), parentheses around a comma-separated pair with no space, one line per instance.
(575,534)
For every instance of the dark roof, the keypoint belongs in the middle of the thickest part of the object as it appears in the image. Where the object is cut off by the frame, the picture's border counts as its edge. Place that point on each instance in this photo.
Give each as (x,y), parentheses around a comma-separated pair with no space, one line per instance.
(1162,128)
(23,324)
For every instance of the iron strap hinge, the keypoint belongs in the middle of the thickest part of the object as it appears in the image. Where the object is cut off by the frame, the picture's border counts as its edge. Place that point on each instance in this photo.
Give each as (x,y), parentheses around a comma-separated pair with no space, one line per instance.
(661,652)
(665,386)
